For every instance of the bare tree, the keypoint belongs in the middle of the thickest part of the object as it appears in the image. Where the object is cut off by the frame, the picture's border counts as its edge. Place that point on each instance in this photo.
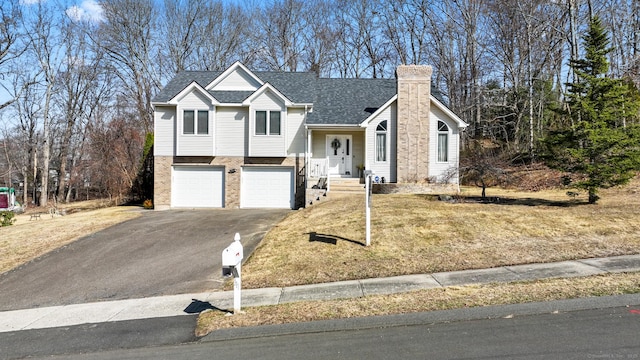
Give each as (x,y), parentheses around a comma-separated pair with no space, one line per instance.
(279,36)
(115,151)
(622,18)
(484,166)
(203,35)
(10,45)
(407,30)
(81,87)
(6,163)
(225,37)
(361,48)
(319,37)
(44,49)
(27,109)
(128,38)
(183,19)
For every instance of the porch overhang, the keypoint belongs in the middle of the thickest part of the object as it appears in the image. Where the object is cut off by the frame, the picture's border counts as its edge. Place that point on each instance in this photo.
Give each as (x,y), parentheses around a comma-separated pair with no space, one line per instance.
(339,127)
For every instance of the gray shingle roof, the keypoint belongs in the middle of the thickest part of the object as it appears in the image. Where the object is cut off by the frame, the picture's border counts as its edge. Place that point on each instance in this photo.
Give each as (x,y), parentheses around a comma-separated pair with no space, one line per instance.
(231,97)
(349,101)
(335,101)
(298,87)
(182,80)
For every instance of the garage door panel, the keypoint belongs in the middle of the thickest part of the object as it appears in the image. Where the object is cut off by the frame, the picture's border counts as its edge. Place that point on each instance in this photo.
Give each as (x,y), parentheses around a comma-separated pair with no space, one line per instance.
(197,187)
(267,187)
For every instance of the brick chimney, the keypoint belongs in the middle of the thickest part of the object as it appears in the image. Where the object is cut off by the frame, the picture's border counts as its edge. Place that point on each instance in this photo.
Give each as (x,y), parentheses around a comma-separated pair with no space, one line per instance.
(414,92)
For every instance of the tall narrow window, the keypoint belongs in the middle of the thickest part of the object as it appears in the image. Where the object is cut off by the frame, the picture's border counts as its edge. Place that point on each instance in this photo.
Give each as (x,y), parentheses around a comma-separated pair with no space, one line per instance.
(203,122)
(443,142)
(274,122)
(261,123)
(381,141)
(188,126)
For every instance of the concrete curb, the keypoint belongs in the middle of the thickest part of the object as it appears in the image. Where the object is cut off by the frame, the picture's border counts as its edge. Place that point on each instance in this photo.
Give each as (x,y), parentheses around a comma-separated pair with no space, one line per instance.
(188,304)
(431,317)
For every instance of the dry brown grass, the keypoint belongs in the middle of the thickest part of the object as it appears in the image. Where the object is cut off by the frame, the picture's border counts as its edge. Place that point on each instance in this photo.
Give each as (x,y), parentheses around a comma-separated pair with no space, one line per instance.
(29,239)
(415,234)
(425,300)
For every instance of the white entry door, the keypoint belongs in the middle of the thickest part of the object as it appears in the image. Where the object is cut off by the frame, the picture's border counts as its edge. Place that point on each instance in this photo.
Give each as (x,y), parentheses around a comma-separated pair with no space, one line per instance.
(340,153)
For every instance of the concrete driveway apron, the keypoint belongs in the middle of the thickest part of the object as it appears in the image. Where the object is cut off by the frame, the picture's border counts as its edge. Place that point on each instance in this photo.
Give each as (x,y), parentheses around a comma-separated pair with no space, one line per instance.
(160,253)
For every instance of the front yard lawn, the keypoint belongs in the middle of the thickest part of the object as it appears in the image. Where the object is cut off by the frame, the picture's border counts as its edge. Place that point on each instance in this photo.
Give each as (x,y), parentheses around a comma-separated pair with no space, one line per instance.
(414,234)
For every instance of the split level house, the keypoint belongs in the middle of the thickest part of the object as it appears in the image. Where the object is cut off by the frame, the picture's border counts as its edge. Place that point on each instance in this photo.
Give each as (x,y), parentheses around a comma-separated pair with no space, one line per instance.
(250,139)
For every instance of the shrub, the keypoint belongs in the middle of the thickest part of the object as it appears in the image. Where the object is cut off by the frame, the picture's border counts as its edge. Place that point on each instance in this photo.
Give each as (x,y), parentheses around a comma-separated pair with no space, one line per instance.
(147,204)
(7,218)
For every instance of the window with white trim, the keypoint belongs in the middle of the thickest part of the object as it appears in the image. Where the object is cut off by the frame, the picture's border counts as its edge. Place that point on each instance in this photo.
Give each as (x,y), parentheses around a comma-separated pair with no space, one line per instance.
(381,141)
(268,122)
(443,142)
(195,122)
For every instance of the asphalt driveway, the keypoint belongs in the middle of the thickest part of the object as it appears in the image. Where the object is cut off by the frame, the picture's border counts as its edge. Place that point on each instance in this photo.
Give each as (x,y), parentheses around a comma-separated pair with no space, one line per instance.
(160,253)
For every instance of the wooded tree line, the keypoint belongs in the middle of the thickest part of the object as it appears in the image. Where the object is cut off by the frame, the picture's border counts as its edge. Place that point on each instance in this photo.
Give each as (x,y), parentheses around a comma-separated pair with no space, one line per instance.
(78,78)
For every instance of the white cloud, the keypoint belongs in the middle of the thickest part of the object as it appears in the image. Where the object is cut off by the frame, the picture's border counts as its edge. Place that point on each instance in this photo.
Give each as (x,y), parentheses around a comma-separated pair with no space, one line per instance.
(30,2)
(88,10)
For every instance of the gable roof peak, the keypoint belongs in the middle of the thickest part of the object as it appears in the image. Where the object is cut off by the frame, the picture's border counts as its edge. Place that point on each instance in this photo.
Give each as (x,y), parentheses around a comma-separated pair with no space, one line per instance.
(235,68)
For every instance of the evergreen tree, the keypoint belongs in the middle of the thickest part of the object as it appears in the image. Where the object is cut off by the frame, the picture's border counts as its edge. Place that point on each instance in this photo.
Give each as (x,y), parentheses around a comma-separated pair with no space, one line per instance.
(600,145)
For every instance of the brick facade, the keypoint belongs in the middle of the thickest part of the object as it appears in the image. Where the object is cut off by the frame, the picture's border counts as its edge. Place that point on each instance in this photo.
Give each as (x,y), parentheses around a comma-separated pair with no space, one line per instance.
(232,173)
(162,182)
(414,91)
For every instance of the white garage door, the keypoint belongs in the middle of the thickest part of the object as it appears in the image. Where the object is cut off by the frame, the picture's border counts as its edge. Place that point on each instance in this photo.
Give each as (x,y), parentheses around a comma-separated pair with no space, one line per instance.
(267,187)
(197,187)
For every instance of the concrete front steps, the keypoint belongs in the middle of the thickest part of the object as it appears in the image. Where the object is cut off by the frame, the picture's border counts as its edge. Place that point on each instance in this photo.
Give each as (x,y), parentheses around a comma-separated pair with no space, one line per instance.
(342,186)
(338,187)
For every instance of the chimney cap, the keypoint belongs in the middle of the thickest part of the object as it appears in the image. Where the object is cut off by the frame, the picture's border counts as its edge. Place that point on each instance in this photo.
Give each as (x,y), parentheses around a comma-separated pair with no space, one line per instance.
(414,71)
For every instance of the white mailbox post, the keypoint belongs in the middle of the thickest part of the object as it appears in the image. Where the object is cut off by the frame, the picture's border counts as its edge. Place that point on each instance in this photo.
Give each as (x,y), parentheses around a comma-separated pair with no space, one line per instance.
(232,266)
(368,174)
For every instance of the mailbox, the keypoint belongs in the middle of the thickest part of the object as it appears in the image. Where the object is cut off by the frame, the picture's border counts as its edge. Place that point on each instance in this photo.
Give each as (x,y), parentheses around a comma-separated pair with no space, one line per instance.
(231,266)
(232,258)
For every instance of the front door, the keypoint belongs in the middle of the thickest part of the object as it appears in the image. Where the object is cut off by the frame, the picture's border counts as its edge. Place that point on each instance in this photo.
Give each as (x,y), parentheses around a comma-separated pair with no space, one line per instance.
(339,152)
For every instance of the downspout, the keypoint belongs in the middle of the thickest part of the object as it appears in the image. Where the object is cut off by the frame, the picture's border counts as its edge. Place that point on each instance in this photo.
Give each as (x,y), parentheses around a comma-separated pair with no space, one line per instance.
(306,152)
(461,131)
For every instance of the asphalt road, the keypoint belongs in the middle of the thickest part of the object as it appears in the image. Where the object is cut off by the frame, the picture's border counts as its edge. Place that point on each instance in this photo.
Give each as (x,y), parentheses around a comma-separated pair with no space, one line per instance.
(92,338)
(160,253)
(525,331)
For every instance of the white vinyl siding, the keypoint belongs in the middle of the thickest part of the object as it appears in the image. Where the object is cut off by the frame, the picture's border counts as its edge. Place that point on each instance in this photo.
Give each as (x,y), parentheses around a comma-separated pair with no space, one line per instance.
(194,100)
(164,128)
(230,131)
(441,169)
(387,168)
(267,145)
(237,80)
(195,144)
(296,139)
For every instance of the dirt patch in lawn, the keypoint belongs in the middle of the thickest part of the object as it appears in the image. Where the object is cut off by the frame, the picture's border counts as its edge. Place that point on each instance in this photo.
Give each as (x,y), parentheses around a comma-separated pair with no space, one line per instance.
(30,237)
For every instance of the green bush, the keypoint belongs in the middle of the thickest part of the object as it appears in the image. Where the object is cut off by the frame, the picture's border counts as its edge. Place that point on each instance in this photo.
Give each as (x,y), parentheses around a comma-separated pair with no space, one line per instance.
(7,218)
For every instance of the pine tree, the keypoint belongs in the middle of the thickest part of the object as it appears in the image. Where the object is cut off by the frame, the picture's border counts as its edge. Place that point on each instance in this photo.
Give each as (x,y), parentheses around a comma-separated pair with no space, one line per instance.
(600,145)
